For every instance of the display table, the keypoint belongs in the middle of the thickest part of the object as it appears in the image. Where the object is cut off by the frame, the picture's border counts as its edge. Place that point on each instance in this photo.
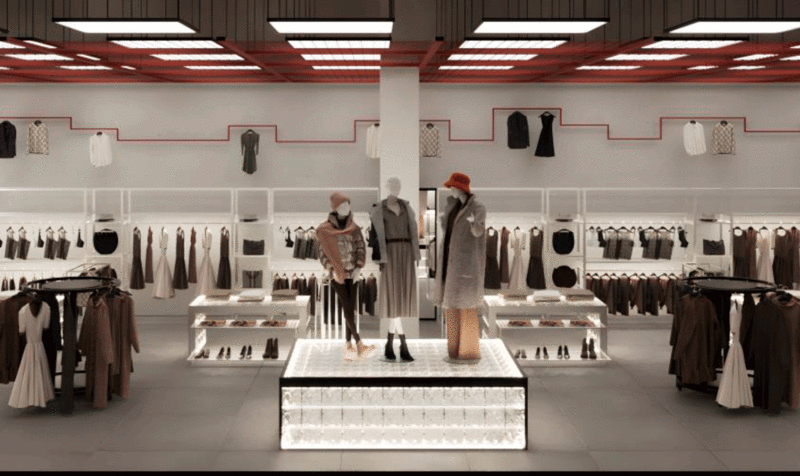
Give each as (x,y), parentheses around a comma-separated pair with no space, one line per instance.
(293,314)
(328,403)
(500,313)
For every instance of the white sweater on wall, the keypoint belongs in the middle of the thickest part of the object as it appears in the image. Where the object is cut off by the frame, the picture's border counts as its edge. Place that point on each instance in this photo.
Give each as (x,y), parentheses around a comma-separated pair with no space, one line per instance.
(694,138)
(100,150)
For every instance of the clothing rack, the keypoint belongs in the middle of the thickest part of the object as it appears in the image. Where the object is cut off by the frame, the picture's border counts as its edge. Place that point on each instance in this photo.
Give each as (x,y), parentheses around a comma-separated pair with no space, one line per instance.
(70,287)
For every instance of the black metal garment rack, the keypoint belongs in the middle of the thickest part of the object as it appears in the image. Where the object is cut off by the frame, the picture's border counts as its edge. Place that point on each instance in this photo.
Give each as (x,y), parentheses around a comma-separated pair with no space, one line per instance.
(70,287)
(719,290)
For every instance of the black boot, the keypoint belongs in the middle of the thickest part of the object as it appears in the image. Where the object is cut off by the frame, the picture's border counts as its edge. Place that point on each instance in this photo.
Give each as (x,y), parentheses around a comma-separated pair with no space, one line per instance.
(388,352)
(404,349)
(584,349)
(592,353)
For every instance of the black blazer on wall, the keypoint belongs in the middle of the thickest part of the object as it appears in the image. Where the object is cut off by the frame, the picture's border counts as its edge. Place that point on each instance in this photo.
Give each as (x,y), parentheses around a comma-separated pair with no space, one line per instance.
(518,135)
(8,140)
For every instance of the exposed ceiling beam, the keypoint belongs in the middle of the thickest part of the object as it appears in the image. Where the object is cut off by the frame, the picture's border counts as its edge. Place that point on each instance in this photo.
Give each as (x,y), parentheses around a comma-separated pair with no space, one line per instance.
(235,48)
(596,58)
(432,49)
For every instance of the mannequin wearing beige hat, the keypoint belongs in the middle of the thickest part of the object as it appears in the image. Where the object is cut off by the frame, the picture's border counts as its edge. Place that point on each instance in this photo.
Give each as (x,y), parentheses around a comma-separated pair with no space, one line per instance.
(343,253)
(462,263)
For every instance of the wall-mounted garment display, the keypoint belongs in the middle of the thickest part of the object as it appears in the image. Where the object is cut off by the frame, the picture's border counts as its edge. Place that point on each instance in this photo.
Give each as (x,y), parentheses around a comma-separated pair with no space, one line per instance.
(785,257)
(62,246)
(137,273)
(179,278)
(518,245)
(373,138)
(224,269)
(564,277)
(38,142)
(50,244)
(518,133)
(148,261)
(713,247)
(563,241)
(505,273)
(249,143)
(8,140)
(744,252)
(764,263)
(429,141)
(659,243)
(722,140)
(192,257)
(33,385)
(545,147)
(305,245)
(100,149)
(205,280)
(624,292)
(163,276)
(11,244)
(535,276)
(618,243)
(694,138)
(492,273)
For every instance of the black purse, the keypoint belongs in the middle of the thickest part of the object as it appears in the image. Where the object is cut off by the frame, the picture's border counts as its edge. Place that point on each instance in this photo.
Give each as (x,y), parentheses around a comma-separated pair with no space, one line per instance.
(564,277)
(712,247)
(105,241)
(251,247)
(563,242)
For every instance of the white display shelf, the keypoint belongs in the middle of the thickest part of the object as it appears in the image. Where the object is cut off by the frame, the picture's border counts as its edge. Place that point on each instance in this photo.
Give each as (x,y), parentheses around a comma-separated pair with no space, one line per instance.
(634,260)
(504,324)
(574,360)
(291,325)
(234,361)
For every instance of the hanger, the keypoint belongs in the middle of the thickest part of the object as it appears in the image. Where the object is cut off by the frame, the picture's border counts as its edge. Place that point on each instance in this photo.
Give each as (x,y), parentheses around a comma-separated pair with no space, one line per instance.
(693,121)
(545,113)
(249,131)
(429,125)
(723,122)
(763,228)
(695,290)
(99,133)
(377,124)
(9,229)
(37,122)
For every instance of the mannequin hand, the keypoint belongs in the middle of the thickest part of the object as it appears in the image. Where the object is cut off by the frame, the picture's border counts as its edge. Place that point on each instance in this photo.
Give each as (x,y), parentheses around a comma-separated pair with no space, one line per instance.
(471,218)
(356,273)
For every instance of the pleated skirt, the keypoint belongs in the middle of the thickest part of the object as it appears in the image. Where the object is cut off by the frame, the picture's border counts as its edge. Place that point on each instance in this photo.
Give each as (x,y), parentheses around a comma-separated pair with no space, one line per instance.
(397,291)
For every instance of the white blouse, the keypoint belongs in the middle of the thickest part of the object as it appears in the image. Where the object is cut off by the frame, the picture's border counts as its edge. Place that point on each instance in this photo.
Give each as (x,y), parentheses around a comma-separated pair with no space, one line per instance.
(100,150)
(694,138)
(373,138)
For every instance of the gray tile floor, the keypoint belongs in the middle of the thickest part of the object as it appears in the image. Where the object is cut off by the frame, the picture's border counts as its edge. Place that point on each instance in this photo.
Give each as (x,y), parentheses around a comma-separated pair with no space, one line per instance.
(625,416)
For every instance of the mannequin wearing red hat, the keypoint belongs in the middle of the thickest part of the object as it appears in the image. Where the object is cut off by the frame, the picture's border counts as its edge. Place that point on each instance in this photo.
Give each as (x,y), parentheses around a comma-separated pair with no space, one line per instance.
(462,264)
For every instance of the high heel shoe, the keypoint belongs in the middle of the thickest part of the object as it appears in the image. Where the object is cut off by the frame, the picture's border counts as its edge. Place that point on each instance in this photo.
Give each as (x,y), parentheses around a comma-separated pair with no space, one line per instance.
(560,352)
(388,350)
(566,352)
(249,352)
(404,353)
(243,352)
(200,354)
(267,350)
(544,353)
(524,354)
(592,353)
(221,353)
(228,353)
(518,353)
(584,349)
(274,349)
(538,353)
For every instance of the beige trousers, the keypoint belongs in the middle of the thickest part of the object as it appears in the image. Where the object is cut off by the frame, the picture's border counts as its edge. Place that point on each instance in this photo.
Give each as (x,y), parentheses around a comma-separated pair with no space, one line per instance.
(463,333)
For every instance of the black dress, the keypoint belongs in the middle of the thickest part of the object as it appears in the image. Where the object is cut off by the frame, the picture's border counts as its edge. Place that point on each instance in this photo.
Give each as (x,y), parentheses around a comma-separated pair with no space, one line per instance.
(544,148)
(224,269)
(137,273)
(492,274)
(535,277)
(180,278)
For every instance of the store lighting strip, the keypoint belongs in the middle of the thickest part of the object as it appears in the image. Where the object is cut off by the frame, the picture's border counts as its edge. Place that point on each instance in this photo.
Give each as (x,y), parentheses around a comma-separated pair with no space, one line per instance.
(84,67)
(476,68)
(6,45)
(180,57)
(645,57)
(40,44)
(341,27)
(230,68)
(747,67)
(128,67)
(39,57)
(325,57)
(668,44)
(548,26)
(745,27)
(93,58)
(791,58)
(702,67)
(340,44)
(512,44)
(754,57)
(4,67)
(172,44)
(126,25)
(499,57)
(607,68)
(318,67)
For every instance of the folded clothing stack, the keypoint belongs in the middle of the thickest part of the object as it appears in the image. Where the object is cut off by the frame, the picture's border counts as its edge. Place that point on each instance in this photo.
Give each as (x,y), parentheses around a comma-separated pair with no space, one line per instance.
(515,294)
(547,296)
(578,295)
(284,295)
(252,295)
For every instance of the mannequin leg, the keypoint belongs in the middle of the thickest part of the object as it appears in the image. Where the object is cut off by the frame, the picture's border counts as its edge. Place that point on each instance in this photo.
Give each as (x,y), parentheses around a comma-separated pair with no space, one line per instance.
(346,293)
(453,324)
(469,338)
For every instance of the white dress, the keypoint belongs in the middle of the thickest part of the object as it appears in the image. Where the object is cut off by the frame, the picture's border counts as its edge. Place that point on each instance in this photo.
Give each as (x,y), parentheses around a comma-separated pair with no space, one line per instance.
(764,265)
(100,150)
(206,281)
(734,387)
(373,138)
(162,288)
(694,138)
(33,386)
(517,281)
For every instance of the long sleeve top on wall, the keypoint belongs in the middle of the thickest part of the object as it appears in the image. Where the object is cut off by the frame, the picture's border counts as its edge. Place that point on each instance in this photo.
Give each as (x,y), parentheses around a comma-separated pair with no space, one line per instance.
(722,141)
(429,141)
(373,138)
(694,138)
(249,150)
(100,149)
(8,140)
(38,138)
(518,133)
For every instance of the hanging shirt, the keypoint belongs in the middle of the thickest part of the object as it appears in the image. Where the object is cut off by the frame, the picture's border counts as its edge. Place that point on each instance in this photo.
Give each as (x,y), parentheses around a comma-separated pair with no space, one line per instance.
(100,150)
(722,141)
(373,138)
(37,139)
(694,138)
(429,142)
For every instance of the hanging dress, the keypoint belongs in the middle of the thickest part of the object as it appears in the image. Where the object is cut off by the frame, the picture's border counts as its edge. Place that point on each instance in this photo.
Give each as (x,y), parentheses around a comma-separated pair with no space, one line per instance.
(179,279)
(11,245)
(224,270)
(33,386)
(535,277)
(205,281)
(545,147)
(192,257)
(492,274)
(148,260)
(163,277)
(23,245)
(50,244)
(764,245)
(782,263)
(137,274)
(734,388)
(518,265)
(504,273)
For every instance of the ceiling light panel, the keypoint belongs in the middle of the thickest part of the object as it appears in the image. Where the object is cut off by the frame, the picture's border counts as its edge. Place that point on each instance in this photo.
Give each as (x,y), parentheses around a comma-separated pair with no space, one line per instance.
(340,44)
(345,27)
(512,44)
(324,57)
(180,57)
(125,25)
(524,27)
(89,57)
(4,67)
(754,57)
(607,68)
(748,67)
(168,44)
(7,45)
(227,67)
(84,67)
(702,67)
(40,44)
(791,58)
(691,44)
(476,68)
(128,67)
(745,27)
(346,67)
(39,57)
(645,57)
(498,57)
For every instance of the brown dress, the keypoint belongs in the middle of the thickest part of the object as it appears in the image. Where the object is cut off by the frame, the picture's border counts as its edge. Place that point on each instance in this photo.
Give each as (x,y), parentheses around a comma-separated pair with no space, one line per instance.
(95,344)
(148,260)
(192,257)
(505,275)
(124,337)
(179,278)
(696,341)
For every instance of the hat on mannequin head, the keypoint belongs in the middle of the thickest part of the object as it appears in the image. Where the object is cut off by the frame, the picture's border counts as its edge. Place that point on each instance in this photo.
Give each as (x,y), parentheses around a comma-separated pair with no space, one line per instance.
(337,199)
(459,181)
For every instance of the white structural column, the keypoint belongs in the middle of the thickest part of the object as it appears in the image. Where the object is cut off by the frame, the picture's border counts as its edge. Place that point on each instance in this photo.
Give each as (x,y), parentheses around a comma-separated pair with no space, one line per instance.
(398,147)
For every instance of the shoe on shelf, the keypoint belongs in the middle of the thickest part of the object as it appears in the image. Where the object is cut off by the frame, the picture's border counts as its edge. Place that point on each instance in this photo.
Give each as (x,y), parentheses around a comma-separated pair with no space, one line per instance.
(592,353)
(249,352)
(566,352)
(560,353)
(584,349)
(538,353)
(200,354)
(274,348)
(517,353)
(544,353)
(228,353)
(207,353)
(524,354)
(221,353)
(267,350)
(364,351)
(243,353)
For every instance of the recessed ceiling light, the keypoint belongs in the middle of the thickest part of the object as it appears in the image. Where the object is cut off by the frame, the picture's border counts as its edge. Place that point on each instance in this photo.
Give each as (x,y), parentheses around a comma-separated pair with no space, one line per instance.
(702,67)
(636,57)
(128,67)
(168,44)
(347,27)
(476,67)
(791,58)
(39,43)
(317,57)
(512,44)
(339,44)
(754,57)
(4,67)
(39,57)
(523,27)
(93,58)
(179,57)
(85,67)
(748,67)
(7,45)
(608,68)
(457,57)
(667,44)
(750,27)
(346,67)
(227,67)
(126,25)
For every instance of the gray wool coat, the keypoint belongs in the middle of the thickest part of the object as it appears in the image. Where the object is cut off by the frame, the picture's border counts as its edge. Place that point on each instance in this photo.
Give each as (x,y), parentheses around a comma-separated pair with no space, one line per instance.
(376,215)
(466,263)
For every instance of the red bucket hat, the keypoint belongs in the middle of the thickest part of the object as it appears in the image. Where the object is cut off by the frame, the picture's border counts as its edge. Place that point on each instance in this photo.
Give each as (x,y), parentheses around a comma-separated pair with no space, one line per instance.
(459,181)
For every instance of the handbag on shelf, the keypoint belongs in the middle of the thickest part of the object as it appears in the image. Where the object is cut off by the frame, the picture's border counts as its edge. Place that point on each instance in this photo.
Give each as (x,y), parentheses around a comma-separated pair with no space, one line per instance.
(713,247)
(252,247)
(105,241)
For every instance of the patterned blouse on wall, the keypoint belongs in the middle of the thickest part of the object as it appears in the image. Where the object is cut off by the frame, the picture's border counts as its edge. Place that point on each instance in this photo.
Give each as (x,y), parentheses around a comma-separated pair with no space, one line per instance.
(722,141)
(429,141)
(37,138)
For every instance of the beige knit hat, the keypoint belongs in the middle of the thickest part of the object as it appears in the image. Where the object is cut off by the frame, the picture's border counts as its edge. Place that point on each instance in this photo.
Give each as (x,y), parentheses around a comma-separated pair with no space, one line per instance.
(337,199)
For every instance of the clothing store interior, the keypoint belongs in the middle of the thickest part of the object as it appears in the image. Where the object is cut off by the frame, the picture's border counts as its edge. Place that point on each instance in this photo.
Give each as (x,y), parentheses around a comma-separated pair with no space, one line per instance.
(415,235)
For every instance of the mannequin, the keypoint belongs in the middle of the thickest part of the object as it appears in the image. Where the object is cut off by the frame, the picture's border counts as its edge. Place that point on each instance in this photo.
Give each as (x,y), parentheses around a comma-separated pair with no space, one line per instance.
(343,253)
(462,264)
(396,247)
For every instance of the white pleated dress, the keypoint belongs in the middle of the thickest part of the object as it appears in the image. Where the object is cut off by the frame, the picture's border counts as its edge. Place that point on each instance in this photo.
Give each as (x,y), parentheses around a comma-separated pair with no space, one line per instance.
(162,288)
(206,282)
(764,264)
(33,386)
(518,271)
(734,386)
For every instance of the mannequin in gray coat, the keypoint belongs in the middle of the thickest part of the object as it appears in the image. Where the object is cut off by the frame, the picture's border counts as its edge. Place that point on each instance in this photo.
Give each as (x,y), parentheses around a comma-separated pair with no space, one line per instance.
(459,279)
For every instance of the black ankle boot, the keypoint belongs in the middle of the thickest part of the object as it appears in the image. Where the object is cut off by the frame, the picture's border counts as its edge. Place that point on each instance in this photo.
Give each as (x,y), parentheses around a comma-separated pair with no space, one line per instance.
(592,353)
(404,354)
(584,349)
(388,352)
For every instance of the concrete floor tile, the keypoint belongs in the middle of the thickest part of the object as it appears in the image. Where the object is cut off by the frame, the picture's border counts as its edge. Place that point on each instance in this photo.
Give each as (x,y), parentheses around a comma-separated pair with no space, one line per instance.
(751,431)
(760,460)
(170,433)
(404,461)
(150,461)
(657,461)
(607,401)
(610,376)
(195,401)
(45,461)
(278,461)
(634,432)
(494,461)
(553,432)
